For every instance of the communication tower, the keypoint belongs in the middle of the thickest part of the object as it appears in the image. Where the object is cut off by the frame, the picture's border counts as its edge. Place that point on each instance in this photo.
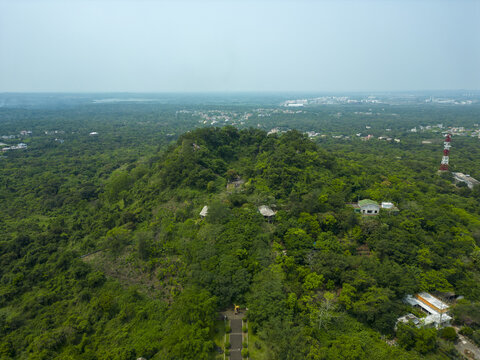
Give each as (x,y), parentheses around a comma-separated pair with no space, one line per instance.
(446,152)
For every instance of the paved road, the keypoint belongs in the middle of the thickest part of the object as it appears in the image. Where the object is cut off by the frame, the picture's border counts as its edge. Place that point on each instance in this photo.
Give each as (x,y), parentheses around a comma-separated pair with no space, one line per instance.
(236,339)
(465,344)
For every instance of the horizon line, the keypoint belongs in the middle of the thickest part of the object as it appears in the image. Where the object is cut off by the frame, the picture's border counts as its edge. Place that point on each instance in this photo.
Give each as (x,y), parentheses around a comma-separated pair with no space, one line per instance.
(233,91)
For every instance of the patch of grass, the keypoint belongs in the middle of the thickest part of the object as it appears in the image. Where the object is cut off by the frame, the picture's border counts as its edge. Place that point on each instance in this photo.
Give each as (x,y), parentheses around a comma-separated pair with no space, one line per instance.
(257,348)
(219,333)
(219,337)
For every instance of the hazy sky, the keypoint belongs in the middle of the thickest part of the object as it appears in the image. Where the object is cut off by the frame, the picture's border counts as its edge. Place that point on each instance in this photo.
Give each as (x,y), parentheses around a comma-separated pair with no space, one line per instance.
(238,45)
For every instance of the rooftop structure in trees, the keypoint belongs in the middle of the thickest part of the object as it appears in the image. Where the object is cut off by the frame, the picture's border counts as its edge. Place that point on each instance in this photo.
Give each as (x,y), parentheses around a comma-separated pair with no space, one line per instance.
(266,211)
(370,207)
(204,211)
(435,309)
(465,178)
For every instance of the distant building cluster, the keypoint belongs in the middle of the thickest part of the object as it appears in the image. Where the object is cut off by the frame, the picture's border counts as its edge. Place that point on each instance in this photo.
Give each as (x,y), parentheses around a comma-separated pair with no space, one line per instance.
(388,139)
(331,100)
(295,103)
(18,146)
(381,138)
(454,130)
(312,134)
(15,147)
(274,131)
(225,117)
(381,99)
(50,132)
(427,127)
(434,100)
(368,137)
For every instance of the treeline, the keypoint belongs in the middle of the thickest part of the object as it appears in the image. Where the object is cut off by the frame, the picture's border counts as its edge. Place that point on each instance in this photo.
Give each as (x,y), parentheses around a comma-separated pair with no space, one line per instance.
(162,273)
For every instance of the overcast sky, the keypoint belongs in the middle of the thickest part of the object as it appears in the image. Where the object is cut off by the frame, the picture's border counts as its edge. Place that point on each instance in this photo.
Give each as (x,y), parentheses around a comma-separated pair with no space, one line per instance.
(238,45)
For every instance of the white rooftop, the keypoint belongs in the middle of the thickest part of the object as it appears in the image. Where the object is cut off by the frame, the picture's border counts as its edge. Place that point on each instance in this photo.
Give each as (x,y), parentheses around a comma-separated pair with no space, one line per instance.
(409,299)
(409,317)
(266,211)
(436,319)
(470,181)
(204,211)
(433,317)
(433,300)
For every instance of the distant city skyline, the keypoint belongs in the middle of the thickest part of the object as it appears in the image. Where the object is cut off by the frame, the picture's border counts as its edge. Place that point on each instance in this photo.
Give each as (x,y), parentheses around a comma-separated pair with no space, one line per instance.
(239,46)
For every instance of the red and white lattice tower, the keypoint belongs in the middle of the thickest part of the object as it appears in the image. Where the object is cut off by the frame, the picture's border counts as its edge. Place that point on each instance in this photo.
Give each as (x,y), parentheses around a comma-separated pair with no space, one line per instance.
(446,152)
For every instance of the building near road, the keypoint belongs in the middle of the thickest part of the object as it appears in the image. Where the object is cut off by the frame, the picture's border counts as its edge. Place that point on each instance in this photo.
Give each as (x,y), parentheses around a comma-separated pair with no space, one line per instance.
(467,179)
(435,309)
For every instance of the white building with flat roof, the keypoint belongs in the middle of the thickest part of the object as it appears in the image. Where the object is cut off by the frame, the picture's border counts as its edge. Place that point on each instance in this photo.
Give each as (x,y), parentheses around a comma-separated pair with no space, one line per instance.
(435,308)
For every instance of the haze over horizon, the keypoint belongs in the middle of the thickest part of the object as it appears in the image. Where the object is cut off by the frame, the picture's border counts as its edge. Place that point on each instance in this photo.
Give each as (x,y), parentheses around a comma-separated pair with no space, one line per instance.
(233,46)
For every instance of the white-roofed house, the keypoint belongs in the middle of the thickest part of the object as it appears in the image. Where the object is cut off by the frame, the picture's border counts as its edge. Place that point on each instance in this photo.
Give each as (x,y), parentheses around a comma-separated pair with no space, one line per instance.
(435,308)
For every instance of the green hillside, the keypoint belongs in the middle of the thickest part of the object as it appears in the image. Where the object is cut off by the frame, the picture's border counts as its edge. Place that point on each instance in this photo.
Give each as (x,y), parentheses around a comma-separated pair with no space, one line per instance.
(119,264)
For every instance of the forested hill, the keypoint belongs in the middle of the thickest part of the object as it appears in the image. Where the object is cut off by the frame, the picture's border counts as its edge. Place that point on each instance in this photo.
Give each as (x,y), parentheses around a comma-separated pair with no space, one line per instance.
(129,268)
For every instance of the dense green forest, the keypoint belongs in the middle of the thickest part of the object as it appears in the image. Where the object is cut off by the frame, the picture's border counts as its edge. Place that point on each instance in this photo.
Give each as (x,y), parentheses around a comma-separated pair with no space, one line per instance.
(103,253)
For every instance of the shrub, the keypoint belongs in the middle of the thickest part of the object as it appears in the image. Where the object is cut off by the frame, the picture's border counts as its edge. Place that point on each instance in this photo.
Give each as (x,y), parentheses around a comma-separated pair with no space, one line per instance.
(95,279)
(448,333)
(245,344)
(228,329)
(227,345)
(466,330)
(476,337)
(423,340)
(244,328)
(244,353)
